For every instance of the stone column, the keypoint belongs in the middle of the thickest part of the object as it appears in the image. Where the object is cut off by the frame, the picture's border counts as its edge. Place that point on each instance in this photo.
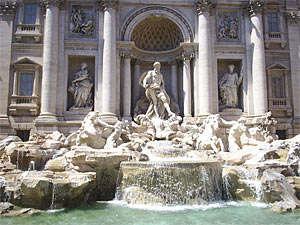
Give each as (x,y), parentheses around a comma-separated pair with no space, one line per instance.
(136,85)
(127,86)
(109,59)
(50,62)
(36,81)
(7,13)
(187,88)
(293,18)
(61,95)
(258,59)
(205,98)
(15,87)
(174,86)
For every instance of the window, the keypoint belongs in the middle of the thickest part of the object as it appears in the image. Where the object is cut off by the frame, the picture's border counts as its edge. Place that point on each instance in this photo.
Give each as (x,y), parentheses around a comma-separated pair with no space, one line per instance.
(23,134)
(29,13)
(278,85)
(273,22)
(26,84)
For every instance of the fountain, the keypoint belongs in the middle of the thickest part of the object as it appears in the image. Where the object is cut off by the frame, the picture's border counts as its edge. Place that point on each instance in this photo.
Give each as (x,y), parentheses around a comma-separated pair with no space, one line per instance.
(157,160)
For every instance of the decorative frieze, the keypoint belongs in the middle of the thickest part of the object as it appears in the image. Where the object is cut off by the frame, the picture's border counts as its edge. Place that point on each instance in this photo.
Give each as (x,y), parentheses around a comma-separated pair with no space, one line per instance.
(82,20)
(8,7)
(254,7)
(293,17)
(203,6)
(228,26)
(108,4)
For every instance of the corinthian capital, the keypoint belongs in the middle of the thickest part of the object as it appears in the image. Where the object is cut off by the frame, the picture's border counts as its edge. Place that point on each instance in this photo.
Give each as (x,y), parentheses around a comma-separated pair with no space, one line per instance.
(254,7)
(108,4)
(293,17)
(8,7)
(52,3)
(203,6)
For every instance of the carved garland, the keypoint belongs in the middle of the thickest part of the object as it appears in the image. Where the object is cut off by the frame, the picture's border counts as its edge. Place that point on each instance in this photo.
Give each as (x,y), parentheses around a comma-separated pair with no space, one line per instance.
(8,7)
(156,8)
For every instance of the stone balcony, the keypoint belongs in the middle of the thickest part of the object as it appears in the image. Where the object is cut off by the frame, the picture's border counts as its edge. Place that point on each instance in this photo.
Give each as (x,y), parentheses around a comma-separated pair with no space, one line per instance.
(28,30)
(280,104)
(275,37)
(21,105)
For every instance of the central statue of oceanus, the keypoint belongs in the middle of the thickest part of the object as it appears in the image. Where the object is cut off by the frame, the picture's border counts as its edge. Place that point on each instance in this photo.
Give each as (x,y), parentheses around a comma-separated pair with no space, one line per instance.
(159,119)
(155,92)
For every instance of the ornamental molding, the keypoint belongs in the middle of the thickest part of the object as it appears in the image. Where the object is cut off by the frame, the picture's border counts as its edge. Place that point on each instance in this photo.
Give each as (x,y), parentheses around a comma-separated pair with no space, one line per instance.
(108,4)
(152,8)
(255,7)
(203,6)
(8,7)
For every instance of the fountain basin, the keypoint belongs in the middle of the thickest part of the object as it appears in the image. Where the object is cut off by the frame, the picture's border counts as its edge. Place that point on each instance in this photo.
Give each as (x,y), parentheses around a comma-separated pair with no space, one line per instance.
(170,182)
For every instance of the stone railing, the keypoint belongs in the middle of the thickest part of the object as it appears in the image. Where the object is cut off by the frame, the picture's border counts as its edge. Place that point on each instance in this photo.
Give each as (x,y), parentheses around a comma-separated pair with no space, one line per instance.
(28,30)
(280,104)
(275,37)
(20,104)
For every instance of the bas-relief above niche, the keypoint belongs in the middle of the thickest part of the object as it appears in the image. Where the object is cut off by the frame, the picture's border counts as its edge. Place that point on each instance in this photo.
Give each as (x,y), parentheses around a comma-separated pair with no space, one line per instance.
(228,26)
(82,21)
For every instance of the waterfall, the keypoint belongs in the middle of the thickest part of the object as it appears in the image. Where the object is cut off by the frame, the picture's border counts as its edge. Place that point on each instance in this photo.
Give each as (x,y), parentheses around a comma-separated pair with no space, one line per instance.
(18,156)
(170,183)
(31,166)
(251,179)
(227,188)
(52,206)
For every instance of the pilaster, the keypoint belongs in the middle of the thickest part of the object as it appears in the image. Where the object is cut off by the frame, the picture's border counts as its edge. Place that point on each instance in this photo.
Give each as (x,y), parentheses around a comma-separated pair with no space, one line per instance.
(7,14)
(293,27)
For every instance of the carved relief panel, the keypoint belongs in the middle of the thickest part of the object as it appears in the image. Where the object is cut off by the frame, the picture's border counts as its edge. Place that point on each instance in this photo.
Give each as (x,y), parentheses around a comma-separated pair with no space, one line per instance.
(82,21)
(228,26)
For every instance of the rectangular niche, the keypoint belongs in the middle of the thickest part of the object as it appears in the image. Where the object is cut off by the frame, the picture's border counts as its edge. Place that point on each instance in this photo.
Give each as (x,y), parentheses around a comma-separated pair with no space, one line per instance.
(81,82)
(223,68)
(228,26)
(82,21)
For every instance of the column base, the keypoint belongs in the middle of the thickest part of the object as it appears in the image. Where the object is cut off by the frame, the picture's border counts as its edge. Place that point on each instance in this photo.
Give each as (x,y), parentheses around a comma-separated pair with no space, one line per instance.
(46,123)
(109,118)
(129,118)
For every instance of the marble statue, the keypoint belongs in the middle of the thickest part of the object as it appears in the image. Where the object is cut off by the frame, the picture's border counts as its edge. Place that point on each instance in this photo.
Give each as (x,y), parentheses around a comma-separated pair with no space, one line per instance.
(155,92)
(81,88)
(81,22)
(228,86)
(235,133)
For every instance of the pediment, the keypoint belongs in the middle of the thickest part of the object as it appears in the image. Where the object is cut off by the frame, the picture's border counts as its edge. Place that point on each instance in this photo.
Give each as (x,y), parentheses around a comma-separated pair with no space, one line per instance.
(277,66)
(26,61)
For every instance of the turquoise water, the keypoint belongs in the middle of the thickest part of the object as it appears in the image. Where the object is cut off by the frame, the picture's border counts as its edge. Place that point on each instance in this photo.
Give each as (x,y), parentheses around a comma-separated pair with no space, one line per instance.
(116,213)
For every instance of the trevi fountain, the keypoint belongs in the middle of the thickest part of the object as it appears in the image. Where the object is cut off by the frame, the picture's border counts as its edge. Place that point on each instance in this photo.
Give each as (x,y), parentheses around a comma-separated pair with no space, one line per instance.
(156,169)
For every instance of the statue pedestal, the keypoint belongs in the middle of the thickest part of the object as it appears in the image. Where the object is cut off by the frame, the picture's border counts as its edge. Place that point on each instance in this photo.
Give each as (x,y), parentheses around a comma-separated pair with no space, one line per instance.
(77,113)
(231,113)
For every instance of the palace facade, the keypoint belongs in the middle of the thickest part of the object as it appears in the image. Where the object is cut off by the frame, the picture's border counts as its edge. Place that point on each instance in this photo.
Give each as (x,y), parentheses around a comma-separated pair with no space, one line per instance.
(61,59)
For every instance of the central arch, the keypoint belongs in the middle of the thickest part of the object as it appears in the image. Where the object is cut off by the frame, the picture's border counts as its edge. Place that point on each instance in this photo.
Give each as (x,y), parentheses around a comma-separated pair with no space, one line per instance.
(157,33)
(157,11)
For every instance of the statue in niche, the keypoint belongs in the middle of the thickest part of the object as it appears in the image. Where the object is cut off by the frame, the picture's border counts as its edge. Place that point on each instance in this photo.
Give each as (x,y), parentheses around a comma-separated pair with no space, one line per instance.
(228,24)
(155,92)
(228,86)
(81,88)
(81,22)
